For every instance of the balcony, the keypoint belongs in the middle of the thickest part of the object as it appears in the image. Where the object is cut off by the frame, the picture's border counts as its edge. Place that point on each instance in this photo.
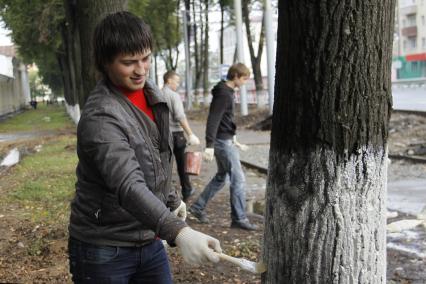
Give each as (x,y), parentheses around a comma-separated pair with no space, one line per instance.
(409,31)
(408,10)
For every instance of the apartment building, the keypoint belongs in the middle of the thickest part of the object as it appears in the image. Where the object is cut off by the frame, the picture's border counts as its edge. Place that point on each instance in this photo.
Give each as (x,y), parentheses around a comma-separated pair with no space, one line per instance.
(14,83)
(410,39)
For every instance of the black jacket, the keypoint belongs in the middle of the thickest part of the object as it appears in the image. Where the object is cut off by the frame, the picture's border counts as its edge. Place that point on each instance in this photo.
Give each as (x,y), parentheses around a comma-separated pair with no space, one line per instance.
(220,122)
(123,190)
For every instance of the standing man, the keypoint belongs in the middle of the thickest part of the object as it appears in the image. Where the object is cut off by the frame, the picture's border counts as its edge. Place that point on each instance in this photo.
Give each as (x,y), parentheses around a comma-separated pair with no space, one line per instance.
(124,204)
(221,143)
(179,124)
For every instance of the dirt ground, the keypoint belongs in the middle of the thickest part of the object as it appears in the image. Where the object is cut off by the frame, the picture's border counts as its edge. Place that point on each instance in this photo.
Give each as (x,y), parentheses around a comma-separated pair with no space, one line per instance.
(36,253)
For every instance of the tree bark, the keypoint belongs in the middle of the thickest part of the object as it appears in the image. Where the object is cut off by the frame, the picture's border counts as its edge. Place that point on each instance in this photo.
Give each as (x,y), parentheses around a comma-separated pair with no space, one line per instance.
(325,210)
(71,42)
(198,45)
(255,59)
(89,14)
(222,28)
(206,52)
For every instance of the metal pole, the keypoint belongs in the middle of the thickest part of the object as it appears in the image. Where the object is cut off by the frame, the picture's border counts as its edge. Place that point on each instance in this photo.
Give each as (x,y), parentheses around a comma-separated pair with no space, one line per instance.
(270,53)
(188,76)
(240,52)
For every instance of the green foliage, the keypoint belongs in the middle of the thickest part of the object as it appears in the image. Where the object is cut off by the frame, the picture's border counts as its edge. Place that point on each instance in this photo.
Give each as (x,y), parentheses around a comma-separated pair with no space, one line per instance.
(43,118)
(162,17)
(36,27)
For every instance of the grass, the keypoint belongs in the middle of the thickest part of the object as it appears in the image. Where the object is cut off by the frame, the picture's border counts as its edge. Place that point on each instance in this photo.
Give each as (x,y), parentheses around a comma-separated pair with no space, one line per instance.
(44,118)
(42,183)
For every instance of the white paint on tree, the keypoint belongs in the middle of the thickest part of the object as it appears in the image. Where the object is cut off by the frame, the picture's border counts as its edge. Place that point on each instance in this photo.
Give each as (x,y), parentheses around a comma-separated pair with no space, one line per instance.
(327,218)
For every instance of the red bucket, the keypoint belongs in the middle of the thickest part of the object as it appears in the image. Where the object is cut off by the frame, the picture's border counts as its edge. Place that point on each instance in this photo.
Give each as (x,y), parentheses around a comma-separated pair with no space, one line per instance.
(193,163)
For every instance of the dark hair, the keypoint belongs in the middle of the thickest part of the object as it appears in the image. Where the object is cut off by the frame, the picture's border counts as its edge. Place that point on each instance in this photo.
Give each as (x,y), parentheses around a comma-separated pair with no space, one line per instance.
(168,75)
(120,32)
(237,70)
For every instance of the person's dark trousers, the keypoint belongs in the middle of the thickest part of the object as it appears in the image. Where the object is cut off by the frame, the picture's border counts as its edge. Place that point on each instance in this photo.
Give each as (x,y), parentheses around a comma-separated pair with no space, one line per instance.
(179,145)
(116,265)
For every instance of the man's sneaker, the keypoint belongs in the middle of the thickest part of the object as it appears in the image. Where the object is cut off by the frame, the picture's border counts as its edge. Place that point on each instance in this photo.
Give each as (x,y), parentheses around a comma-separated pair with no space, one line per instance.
(245,225)
(200,215)
(186,196)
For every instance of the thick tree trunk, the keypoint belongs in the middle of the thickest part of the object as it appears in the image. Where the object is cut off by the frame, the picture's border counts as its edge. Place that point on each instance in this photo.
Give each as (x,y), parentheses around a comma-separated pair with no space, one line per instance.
(325,211)
(89,13)
(71,39)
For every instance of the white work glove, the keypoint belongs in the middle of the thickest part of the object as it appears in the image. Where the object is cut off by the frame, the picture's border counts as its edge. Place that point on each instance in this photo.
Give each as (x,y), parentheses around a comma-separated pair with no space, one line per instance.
(193,140)
(208,154)
(242,147)
(196,247)
(180,212)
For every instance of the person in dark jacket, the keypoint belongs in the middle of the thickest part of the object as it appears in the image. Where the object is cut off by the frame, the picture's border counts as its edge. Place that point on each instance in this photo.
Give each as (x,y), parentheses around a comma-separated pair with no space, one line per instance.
(124,203)
(221,143)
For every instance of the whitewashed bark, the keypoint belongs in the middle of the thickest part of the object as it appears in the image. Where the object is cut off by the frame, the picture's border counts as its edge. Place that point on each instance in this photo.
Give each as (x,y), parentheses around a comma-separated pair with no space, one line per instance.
(337,234)
(325,209)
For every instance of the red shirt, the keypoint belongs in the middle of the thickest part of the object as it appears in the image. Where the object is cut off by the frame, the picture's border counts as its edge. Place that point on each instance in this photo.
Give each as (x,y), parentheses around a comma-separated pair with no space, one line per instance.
(138,99)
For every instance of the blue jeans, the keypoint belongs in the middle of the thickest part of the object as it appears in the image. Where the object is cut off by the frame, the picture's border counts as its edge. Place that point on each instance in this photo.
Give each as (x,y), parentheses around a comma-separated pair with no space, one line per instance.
(228,164)
(115,265)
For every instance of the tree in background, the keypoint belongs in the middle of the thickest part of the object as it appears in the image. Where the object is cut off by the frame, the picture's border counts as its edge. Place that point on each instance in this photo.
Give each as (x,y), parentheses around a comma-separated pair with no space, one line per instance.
(255,59)
(56,35)
(162,17)
(34,26)
(205,50)
(224,6)
(325,212)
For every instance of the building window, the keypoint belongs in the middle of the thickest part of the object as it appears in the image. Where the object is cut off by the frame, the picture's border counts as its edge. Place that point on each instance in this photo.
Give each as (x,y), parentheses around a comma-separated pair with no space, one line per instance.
(411,20)
(412,42)
(423,20)
(423,42)
(404,45)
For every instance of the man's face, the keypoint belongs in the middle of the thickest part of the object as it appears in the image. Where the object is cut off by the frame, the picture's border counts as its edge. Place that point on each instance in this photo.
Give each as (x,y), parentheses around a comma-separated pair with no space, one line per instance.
(174,82)
(239,81)
(130,71)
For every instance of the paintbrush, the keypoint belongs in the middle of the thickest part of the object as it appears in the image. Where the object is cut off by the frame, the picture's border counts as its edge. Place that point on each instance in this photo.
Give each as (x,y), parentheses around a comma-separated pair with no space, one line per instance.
(253,267)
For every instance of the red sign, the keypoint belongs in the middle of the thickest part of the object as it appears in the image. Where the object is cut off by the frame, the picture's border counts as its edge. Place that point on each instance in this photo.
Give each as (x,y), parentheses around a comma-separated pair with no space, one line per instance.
(416,57)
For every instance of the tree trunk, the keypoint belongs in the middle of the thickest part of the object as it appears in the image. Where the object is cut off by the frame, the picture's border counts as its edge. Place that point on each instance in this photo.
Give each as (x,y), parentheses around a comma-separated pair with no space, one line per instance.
(69,95)
(71,39)
(198,46)
(255,59)
(89,14)
(206,52)
(325,210)
(222,28)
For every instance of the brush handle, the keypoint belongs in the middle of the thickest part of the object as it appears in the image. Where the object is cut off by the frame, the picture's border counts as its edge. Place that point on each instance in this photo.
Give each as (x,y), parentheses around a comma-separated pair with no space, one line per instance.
(231,259)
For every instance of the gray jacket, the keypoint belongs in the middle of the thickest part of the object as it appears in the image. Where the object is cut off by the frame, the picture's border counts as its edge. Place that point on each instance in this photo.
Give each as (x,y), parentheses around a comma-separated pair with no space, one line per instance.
(123,191)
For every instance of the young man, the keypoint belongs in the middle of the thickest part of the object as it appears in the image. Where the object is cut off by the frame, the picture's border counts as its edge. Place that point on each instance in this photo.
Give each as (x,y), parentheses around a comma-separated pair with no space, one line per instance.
(124,205)
(179,124)
(221,143)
